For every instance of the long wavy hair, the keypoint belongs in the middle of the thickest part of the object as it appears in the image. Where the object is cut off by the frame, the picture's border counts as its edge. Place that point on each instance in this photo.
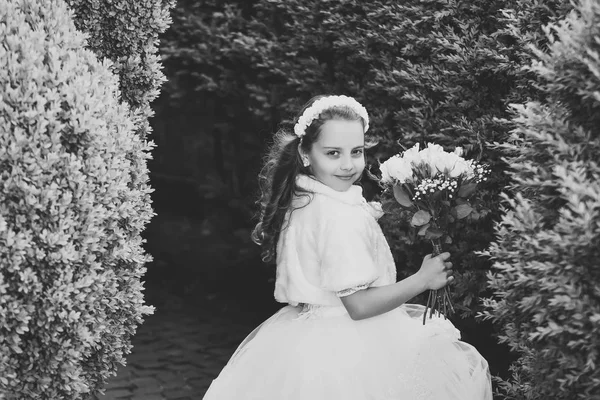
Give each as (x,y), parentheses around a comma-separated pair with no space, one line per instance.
(277,178)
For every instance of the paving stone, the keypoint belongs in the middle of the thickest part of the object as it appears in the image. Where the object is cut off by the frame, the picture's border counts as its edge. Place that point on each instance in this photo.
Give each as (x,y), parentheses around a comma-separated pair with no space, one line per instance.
(175,356)
(192,372)
(117,394)
(123,372)
(166,376)
(173,394)
(145,396)
(147,372)
(155,388)
(150,364)
(144,381)
(118,384)
(200,383)
(172,382)
(178,367)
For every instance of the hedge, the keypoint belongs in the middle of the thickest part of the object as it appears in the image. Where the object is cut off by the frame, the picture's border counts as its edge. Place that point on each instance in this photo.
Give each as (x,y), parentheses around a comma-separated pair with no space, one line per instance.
(127,33)
(73,201)
(546,301)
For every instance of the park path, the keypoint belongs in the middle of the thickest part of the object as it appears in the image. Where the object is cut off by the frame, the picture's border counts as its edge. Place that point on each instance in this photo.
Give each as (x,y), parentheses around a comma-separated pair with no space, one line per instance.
(178,351)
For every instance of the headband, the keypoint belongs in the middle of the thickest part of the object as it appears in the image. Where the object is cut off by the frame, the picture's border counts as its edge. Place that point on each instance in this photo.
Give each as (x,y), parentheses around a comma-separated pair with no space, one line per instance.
(325,103)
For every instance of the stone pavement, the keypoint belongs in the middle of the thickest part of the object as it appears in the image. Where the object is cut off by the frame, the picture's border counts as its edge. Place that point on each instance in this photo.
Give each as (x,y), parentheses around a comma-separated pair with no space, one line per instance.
(178,351)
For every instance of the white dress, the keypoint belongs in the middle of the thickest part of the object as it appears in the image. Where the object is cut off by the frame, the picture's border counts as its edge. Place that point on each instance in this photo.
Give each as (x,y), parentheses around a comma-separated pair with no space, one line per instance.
(312,350)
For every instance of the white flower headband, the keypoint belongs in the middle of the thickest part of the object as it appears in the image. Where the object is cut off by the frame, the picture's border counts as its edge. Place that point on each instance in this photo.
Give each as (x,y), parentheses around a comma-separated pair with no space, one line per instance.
(325,103)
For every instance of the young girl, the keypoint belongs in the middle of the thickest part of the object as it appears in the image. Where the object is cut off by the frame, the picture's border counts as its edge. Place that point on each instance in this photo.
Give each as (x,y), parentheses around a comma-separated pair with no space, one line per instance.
(347,332)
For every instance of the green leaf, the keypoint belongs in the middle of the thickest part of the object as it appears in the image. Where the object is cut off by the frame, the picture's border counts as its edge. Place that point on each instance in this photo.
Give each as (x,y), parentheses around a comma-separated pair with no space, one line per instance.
(421,217)
(390,205)
(434,233)
(423,230)
(463,210)
(467,189)
(401,196)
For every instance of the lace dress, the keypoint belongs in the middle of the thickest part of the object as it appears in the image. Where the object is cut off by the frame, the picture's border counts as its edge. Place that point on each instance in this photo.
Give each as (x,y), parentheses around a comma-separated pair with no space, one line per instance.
(312,350)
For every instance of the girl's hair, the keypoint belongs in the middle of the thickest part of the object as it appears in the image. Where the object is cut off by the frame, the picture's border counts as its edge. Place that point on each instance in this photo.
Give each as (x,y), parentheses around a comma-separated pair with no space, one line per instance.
(277,179)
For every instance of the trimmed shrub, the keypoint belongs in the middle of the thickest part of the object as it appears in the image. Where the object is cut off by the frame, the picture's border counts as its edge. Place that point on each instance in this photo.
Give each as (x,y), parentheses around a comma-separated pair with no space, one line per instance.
(73,201)
(126,32)
(545,273)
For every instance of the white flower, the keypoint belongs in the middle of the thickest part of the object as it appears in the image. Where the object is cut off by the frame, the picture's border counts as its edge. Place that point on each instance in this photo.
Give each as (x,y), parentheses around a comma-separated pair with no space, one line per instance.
(435,158)
(399,168)
(460,167)
(396,169)
(459,151)
(412,155)
(451,164)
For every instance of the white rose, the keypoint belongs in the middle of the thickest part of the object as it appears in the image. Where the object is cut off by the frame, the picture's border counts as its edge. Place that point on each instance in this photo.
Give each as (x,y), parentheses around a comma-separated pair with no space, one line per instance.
(385,171)
(462,167)
(412,155)
(435,157)
(402,170)
(396,169)
(452,160)
(435,148)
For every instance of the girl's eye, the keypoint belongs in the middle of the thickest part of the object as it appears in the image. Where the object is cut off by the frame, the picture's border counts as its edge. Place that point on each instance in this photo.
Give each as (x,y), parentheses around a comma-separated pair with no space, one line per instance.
(335,152)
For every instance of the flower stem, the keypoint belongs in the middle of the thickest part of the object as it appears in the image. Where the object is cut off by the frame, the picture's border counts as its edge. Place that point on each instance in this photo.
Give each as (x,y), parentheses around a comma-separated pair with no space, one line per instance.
(441,298)
(425,313)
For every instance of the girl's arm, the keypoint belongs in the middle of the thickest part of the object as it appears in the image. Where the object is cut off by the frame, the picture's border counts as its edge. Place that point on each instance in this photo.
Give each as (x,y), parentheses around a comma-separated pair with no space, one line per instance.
(434,274)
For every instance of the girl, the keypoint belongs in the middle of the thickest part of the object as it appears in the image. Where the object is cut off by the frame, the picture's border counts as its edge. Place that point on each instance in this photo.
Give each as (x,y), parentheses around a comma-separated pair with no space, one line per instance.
(347,332)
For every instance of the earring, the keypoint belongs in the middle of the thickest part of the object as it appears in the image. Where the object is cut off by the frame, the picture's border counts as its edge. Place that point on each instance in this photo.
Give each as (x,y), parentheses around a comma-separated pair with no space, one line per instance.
(305,162)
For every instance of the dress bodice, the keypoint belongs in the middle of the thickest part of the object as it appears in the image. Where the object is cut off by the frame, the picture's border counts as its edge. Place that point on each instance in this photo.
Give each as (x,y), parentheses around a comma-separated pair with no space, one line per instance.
(331,246)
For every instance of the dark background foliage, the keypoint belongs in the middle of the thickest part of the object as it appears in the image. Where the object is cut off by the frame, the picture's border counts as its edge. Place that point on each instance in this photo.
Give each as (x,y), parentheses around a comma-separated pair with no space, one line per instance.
(440,71)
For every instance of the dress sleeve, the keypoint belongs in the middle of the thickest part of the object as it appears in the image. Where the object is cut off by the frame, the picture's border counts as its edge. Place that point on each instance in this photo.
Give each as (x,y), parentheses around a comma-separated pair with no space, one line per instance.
(346,255)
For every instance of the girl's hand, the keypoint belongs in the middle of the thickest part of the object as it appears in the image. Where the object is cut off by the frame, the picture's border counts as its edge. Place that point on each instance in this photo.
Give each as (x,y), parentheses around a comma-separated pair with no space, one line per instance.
(436,272)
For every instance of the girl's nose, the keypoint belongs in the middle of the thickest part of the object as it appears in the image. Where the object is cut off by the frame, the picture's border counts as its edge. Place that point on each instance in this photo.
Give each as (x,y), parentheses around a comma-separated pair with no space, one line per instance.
(347,164)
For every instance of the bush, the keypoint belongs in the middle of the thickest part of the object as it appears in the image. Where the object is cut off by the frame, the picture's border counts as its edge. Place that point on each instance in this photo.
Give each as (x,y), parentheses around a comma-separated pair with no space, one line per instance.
(441,71)
(73,201)
(126,32)
(545,273)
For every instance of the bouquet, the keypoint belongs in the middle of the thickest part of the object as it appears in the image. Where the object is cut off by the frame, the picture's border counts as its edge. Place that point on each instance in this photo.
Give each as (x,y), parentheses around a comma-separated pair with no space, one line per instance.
(434,186)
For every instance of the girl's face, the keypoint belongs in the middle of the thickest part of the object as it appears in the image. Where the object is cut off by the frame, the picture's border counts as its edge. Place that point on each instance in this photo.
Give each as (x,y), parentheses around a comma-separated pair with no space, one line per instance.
(337,157)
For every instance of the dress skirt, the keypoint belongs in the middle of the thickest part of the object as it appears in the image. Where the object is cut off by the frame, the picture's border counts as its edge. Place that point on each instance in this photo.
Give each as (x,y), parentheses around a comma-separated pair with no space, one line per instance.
(312,352)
